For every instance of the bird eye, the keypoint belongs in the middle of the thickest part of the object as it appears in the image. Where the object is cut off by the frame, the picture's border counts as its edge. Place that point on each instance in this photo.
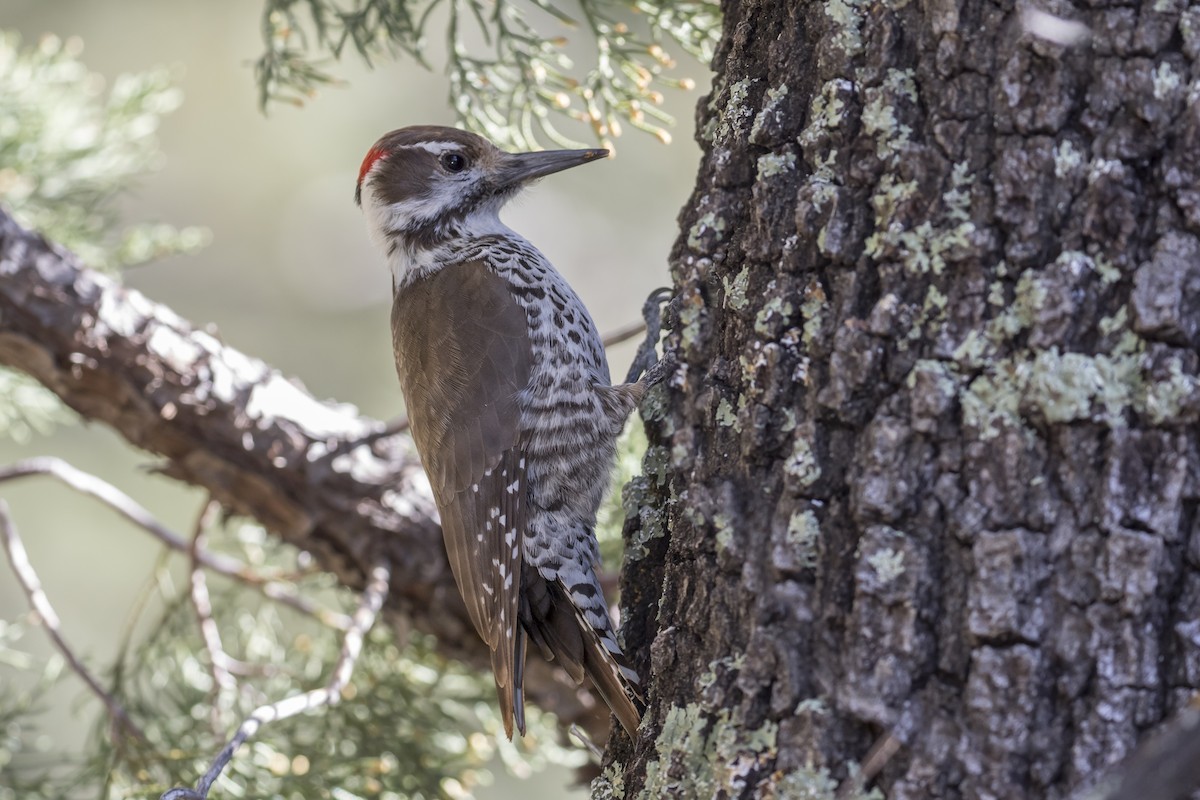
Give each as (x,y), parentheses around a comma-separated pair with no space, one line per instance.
(454,162)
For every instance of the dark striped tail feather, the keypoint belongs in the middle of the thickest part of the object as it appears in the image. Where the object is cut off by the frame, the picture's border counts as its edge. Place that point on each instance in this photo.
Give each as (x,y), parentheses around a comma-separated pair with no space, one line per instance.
(564,636)
(511,693)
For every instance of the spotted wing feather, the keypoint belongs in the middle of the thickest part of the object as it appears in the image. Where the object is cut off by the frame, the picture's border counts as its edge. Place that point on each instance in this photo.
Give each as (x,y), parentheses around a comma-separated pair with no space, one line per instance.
(463,356)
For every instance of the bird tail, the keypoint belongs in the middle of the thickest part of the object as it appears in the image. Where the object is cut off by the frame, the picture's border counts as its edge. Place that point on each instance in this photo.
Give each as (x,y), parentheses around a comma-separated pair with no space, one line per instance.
(611,674)
(510,683)
(572,629)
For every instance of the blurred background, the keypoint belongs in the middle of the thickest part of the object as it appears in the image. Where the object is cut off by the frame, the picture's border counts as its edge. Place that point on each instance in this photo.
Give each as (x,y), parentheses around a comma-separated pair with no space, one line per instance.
(289,275)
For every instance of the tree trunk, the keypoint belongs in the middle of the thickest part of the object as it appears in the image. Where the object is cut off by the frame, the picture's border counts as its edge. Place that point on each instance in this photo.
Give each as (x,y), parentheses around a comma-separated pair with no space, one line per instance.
(928,467)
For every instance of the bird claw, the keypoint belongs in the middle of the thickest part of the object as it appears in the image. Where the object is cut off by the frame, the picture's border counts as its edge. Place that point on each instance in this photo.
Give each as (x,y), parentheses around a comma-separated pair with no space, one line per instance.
(646,360)
(660,370)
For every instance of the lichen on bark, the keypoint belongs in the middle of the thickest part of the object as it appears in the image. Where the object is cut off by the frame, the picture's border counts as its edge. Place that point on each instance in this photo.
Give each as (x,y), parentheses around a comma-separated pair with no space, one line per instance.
(927,467)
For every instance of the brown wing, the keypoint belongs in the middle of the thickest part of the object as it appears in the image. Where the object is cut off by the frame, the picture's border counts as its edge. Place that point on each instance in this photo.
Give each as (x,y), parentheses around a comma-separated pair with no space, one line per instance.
(463,356)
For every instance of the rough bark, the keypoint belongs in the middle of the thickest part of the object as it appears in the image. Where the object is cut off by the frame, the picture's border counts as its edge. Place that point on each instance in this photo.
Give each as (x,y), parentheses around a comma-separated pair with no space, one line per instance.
(318,475)
(929,466)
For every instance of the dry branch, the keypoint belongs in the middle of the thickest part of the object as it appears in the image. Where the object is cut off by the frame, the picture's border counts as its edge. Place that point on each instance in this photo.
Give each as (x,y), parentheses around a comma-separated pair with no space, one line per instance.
(312,473)
(329,695)
(18,559)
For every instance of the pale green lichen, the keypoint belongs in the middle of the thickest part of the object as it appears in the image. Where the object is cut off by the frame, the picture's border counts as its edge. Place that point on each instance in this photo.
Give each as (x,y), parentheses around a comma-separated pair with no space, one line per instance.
(996,294)
(717,666)
(654,465)
(735,289)
(738,93)
(770,106)
(705,756)
(933,310)
(935,303)
(812,311)
(957,198)
(751,363)
(1028,301)
(655,403)
(1165,81)
(815,783)
(887,563)
(803,536)
(1076,261)
(1108,272)
(773,164)
(681,739)
(789,421)
(609,784)
(943,375)
(723,525)
(726,418)
(1031,297)
(1065,385)
(802,463)
(731,118)
(1164,399)
(690,316)
(826,112)
(1105,168)
(776,306)
(708,222)
(973,350)
(925,248)
(847,20)
(879,113)
(697,754)
(1067,159)
(635,503)
(987,404)
(807,784)
(889,196)
(1114,322)
(1062,387)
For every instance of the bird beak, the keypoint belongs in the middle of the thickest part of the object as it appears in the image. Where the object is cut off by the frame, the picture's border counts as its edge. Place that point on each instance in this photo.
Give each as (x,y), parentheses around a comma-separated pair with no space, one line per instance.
(518,168)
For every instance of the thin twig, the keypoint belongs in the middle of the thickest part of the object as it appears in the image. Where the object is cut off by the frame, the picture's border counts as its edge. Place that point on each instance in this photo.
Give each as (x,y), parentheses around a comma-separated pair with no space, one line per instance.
(880,753)
(224,684)
(18,558)
(364,618)
(581,736)
(623,333)
(127,507)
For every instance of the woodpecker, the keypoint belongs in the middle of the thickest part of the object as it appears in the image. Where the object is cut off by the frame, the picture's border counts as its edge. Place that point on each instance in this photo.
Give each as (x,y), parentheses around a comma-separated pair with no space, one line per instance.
(509,400)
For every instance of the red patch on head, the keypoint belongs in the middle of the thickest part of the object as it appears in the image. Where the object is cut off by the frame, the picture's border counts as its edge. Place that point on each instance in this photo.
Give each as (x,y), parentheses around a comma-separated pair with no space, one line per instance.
(373,155)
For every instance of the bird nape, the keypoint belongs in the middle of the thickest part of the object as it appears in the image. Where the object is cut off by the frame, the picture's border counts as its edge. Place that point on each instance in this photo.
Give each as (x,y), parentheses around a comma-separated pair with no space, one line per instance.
(510,402)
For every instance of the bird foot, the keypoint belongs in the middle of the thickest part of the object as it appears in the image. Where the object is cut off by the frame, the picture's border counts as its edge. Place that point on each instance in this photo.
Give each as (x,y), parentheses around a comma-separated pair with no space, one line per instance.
(646,360)
(660,370)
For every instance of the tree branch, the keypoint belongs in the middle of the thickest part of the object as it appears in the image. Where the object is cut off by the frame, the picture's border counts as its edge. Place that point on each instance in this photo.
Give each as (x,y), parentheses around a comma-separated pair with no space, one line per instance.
(257,442)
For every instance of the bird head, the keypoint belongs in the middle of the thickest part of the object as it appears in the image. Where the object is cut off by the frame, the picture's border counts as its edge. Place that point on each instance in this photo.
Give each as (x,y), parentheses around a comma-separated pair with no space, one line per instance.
(423,185)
